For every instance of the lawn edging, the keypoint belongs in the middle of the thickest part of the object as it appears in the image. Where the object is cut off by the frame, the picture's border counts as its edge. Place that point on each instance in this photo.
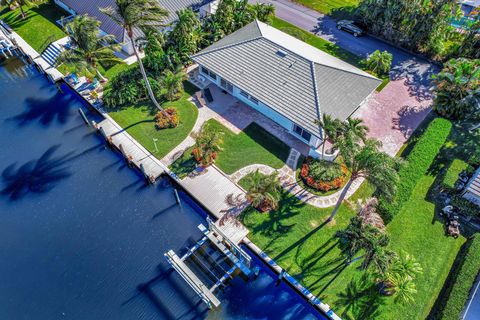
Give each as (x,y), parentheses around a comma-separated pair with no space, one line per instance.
(458,287)
(418,161)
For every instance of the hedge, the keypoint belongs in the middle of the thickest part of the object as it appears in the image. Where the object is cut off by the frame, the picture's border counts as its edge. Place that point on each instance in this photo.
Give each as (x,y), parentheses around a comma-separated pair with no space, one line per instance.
(461,281)
(451,176)
(418,162)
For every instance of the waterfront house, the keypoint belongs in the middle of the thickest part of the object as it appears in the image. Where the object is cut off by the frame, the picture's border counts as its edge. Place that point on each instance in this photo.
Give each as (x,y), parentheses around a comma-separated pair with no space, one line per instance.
(285,79)
(108,26)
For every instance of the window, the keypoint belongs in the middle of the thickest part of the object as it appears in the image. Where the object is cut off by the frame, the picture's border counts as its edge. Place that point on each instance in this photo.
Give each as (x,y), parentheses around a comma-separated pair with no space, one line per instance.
(226,85)
(302,132)
(254,100)
(243,93)
(209,73)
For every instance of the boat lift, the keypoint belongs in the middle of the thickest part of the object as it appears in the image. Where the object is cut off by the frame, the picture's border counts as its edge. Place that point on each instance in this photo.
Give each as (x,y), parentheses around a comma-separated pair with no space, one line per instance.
(210,263)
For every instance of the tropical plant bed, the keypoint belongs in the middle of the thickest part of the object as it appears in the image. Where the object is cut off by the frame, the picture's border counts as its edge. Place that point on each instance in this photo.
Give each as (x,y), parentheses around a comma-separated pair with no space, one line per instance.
(322,176)
(39,28)
(302,181)
(139,121)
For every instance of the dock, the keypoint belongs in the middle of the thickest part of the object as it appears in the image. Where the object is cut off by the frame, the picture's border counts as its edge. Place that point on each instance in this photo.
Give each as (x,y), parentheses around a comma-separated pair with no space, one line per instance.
(134,152)
(18,43)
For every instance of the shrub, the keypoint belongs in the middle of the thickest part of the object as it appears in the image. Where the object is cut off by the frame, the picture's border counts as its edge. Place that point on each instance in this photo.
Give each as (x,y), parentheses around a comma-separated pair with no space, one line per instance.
(167,119)
(461,280)
(380,62)
(465,206)
(418,162)
(451,176)
(323,175)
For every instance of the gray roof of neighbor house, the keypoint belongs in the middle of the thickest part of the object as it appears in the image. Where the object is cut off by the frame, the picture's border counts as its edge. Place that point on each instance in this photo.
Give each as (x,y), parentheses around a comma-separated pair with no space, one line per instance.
(473,185)
(290,76)
(109,26)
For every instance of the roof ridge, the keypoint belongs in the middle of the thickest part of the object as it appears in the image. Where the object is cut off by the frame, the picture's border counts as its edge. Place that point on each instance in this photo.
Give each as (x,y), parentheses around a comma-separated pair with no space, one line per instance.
(231,45)
(367,75)
(317,99)
(263,25)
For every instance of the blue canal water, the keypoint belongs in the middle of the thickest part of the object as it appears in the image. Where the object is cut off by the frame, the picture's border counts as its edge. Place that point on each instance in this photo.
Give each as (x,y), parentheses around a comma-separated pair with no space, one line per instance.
(82,237)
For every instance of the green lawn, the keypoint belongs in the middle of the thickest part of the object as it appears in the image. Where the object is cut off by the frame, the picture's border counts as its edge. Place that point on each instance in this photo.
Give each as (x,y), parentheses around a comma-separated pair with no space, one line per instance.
(39,27)
(325,45)
(298,240)
(253,145)
(138,120)
(336,8)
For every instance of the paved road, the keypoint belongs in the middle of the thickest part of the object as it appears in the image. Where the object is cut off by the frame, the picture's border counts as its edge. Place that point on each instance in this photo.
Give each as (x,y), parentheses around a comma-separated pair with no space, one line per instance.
(417,71)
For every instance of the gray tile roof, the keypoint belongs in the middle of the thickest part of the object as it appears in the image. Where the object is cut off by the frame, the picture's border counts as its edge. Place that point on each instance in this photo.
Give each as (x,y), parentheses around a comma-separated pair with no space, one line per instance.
(109,26)
(293,78)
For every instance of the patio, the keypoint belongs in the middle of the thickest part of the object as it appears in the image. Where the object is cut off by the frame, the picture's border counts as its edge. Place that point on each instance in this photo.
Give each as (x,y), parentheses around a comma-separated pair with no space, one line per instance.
(234,115)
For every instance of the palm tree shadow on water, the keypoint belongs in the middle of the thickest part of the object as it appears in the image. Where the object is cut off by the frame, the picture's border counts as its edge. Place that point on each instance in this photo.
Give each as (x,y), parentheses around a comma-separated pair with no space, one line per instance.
(46,111)
(38,176)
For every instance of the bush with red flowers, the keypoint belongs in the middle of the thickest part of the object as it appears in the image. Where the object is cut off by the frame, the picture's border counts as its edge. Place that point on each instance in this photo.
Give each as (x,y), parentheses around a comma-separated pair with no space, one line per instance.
(323,175)
(167,119)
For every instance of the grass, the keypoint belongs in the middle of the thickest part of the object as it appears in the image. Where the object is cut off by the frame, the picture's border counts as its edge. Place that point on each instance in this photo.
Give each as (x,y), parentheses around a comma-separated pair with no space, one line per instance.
(325,46)
(138,120)
(254,145)
(39,28)
(299,241)
(338,8)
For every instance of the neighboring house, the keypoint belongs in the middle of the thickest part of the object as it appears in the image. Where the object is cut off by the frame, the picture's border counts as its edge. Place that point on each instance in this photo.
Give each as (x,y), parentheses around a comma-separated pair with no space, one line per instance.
(285,79)
(468,6)
(472,190)
(108,26)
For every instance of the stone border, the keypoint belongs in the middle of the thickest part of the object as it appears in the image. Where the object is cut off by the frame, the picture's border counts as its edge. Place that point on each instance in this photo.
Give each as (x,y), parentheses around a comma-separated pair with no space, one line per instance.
(287,175)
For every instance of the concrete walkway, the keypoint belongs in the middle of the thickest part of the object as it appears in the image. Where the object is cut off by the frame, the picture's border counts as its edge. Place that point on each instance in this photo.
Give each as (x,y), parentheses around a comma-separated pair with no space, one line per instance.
(288,179)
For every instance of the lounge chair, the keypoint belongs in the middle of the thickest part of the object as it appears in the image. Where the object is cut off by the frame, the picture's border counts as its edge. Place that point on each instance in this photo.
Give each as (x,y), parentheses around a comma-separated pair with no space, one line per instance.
(72,79)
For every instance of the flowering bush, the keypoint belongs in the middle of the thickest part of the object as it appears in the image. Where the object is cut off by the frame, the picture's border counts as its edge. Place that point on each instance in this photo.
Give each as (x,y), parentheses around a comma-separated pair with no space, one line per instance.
(167,119)
(323,175)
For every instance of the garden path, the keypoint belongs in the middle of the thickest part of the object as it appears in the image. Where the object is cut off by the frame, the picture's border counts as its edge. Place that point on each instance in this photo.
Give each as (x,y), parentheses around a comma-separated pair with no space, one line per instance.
(287,176)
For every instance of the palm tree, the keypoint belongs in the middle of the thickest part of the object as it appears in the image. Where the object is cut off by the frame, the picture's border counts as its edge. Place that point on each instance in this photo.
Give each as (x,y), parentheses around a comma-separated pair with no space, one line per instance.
(457,88)
(138,14)
(361,237)
(263,191)
(263,12)
(173,84)
(186,34)
(380,62)
(90,49)
(355,128)
(406,265)
(207,145)
(366,161)
(403,288)
(331,129)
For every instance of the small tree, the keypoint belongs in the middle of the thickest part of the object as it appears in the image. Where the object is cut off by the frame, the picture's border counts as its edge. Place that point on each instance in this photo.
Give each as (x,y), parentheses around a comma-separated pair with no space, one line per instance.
(263,191)
(263,12)
(173,84)
(331,129)
(186,35)
(380,62)
(457,89)
(207,145)
(366,161)
(90,48)
(138,14)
